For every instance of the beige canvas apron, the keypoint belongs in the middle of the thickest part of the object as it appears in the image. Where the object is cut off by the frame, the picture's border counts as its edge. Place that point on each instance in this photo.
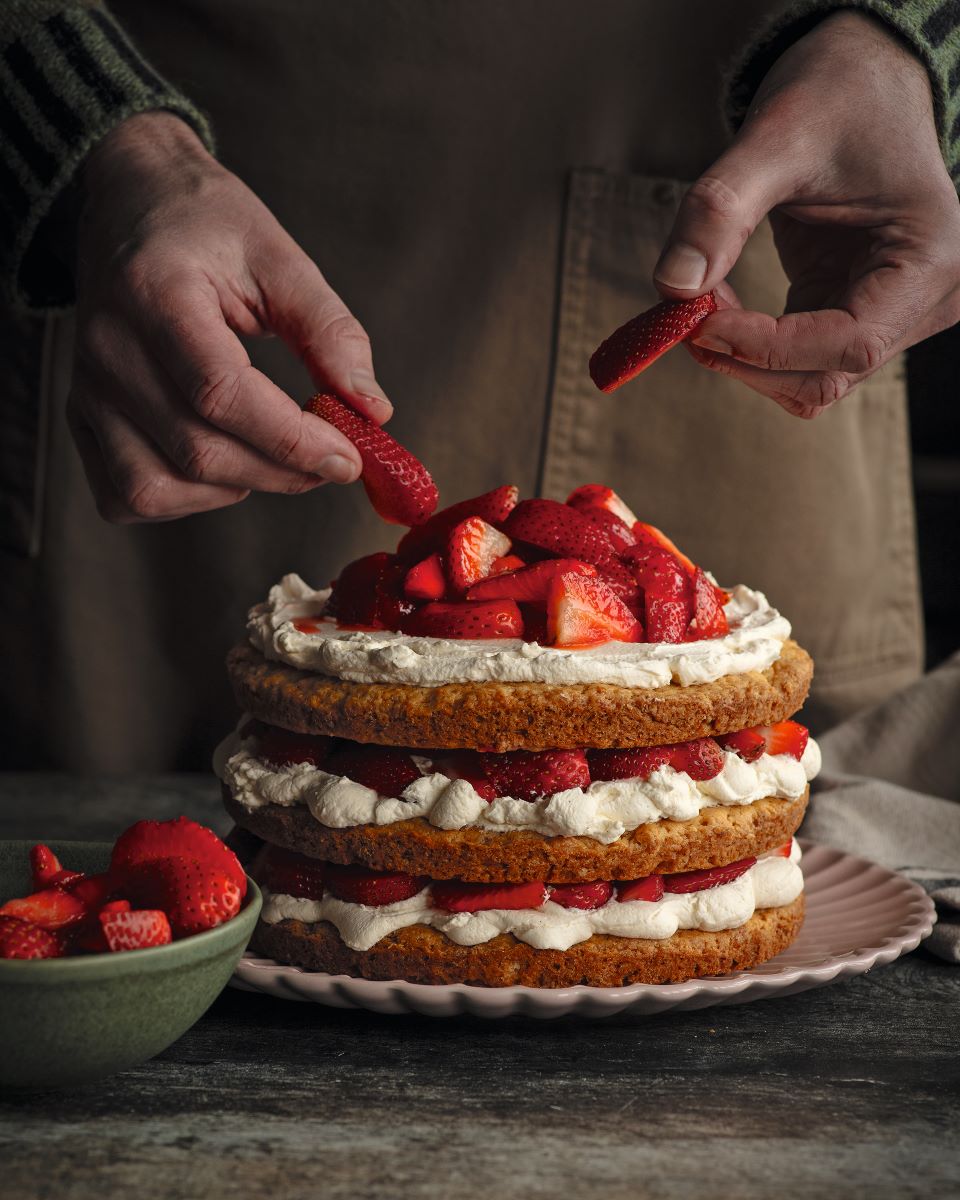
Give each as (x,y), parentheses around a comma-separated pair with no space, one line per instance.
(488,185)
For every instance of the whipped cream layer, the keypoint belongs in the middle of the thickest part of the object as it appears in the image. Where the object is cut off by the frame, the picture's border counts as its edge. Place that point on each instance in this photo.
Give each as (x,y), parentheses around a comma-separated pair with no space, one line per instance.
(603,811)
(757,633)
(772,881)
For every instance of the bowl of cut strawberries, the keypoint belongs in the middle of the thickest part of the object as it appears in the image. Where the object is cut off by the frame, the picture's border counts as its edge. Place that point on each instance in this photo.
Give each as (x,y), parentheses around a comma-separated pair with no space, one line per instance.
(108,954)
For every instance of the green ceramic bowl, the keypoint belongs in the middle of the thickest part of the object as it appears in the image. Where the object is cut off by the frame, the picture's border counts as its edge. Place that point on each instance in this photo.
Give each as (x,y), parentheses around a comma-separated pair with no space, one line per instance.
(70,1020)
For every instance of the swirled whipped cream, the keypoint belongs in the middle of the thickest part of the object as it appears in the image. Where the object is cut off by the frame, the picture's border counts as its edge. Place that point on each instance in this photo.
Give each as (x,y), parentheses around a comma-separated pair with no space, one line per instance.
(603,811)
(757,633)
(772,881)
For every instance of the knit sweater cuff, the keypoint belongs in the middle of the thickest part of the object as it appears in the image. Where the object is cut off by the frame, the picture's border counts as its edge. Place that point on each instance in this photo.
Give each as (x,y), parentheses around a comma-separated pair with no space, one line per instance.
(68,75)
(931,28)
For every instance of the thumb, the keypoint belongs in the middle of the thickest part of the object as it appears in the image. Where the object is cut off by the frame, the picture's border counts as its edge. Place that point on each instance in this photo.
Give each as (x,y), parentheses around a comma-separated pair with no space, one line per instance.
(717,215)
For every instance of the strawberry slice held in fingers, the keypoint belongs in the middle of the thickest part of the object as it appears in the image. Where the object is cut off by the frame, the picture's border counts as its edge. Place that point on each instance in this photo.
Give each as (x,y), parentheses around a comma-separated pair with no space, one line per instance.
(709,620)
(699,881)
(584,612)
(149,840)
(650,887)
(638,763)
(529,585)
(135,930)
(431,537)
(483,619)
(528,774)
(595,495)
(581,895)
(560,530)
(387,770)
(472,548)
(361,885)
(427,580)
(398,485)
(635,345)
(453,895)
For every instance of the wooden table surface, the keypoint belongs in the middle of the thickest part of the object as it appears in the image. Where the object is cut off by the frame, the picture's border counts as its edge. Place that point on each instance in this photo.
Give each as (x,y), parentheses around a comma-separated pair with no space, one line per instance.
(847,1091)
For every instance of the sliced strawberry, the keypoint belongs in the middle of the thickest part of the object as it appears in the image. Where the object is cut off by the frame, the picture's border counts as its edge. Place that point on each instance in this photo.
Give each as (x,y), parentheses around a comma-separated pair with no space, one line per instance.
(585,612)
(700,758)
(431,537)
(748,743)
(356,598)
(622,581)
(509,562)
(650,535)
(581,895)
(138,930)
(699,881)
(147,840)
(620,535)
(66,879)
(360,885)
(468,765)
(595,495)
(26,940)
(650,887)
(398,485)
(527,774)
(639,763)
(385,769)
(196,895)
(427,580)
(709,619)
(283,747)
(783,851)
(455,896)
(667,592)
(93,891)
(472,549)
(289,873)
(786,737)
(529,585)
(393,605)
(50,908)
(117,906)
(487,619)
(635,345)
(559,529)
(534,624)
(44,865)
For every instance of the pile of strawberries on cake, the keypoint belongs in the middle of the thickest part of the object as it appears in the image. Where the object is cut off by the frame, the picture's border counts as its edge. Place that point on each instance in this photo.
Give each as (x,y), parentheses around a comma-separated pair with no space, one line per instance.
(565,575)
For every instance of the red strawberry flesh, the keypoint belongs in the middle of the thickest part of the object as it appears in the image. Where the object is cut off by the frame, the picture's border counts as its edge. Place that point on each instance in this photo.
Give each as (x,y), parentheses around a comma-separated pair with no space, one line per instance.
(426,580)
(456,896)
(486,619)
(581,895)
(51,908)
(650,887)
(635,345)
(699,881)
(527,774)
(749,744)
(398,485)
(709,619)
(595,495)
(138,930)
(639,763)
(29,941)
(700,758)
(147,840)
(383,768)
(560,530)
(196,895)
(289,873)
(586,612)
(473,547)
(431,537)
(283,747)
(529,585)
(360,885)
(44,865)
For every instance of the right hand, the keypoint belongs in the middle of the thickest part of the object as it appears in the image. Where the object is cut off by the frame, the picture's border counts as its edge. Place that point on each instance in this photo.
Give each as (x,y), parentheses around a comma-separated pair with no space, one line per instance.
(176,257)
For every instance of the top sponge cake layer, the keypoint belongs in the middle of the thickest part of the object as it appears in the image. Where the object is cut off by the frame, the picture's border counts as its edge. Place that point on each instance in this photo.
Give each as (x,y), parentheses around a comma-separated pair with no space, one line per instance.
(511,716)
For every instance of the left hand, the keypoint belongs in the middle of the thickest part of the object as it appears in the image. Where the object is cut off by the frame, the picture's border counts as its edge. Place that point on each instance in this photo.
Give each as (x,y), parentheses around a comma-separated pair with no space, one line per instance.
(840,149)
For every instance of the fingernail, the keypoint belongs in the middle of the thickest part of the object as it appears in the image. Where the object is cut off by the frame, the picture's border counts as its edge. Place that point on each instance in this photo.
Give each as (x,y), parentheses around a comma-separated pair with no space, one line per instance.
(707,341)
(338,469)
(364,384)
(682,267)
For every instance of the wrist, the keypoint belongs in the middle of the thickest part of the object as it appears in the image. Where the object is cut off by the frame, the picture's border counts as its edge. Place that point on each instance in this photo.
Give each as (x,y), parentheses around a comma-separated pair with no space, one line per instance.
(140,147)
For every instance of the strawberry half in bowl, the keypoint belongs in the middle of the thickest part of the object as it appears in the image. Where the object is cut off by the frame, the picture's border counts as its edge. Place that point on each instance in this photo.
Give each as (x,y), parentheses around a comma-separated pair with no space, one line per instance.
(93,1010)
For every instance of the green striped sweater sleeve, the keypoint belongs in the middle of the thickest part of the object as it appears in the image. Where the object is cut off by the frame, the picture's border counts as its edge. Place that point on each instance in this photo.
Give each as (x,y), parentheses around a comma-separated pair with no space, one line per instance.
(930,27)
(68,75)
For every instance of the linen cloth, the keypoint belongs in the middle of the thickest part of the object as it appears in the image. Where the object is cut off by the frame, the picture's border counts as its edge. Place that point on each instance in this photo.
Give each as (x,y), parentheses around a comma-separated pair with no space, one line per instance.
(890,791)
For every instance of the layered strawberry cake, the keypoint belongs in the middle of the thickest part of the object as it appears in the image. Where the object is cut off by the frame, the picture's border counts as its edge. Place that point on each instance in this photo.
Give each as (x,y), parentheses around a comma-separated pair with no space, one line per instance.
(535,744)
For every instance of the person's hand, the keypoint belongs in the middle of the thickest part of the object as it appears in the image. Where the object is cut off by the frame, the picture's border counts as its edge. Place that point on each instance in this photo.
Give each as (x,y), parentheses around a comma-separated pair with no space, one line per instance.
(176,258)
(840,148)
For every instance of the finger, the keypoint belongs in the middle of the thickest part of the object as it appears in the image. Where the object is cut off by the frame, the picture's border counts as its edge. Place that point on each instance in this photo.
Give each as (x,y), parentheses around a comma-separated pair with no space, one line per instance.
(717,215)
(805,394)
(117,369)
(130,481)
(317,325)
(186,331)
(885,311)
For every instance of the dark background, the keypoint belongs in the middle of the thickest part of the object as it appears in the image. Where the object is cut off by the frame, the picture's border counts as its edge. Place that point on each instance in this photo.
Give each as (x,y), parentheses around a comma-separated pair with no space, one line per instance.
(933,369)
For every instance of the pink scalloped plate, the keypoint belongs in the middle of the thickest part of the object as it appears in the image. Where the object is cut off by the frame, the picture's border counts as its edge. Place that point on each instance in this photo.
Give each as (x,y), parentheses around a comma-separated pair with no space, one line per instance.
(859,915)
